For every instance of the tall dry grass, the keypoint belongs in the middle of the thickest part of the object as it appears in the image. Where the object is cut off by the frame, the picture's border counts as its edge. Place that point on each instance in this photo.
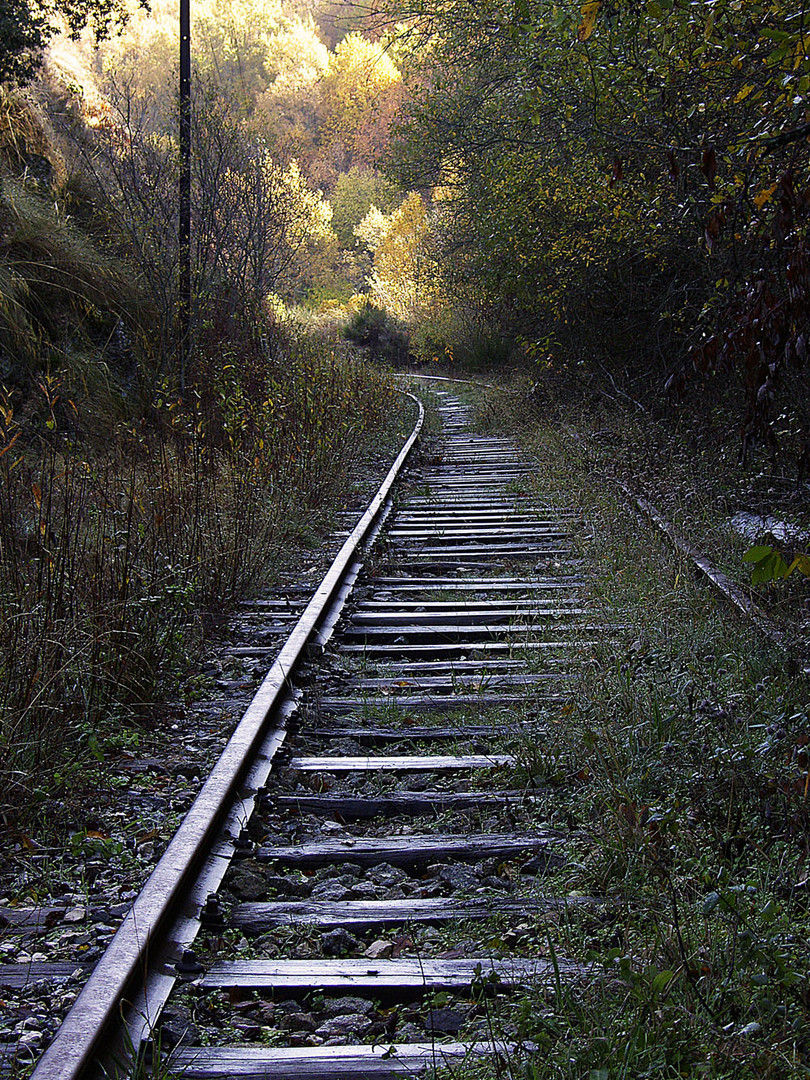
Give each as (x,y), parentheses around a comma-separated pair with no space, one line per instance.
(110,550)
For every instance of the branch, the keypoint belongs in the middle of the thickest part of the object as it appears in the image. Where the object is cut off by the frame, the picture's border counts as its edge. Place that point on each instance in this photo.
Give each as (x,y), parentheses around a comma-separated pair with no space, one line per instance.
(773,142)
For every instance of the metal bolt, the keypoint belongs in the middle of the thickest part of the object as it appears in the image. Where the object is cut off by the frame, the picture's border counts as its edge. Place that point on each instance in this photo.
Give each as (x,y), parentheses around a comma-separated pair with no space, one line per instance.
(211,913)
(188,965)
(243,845)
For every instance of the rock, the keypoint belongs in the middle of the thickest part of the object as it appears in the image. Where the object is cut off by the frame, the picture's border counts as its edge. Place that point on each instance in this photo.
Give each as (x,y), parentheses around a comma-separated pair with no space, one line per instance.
(457,876)
(339,942)
(289,1005)
(447,1021)
(288,886)
(248,1029)
(419,783)
(177,1031)
(410,1033)
(365,890)
(349,1024)
(379,949)
(75,914)
(494,882)
(428,890)
(247,885)
(386,874)
(340,1006)
(329,890)
(345,747)
(535,865)
(297,1022)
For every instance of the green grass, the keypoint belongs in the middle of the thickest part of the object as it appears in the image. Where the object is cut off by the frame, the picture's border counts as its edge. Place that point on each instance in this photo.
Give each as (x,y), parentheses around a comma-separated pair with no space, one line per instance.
(682,759)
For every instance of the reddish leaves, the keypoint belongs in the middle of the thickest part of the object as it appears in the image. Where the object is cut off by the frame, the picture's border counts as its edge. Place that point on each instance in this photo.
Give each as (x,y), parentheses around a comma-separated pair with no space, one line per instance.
(709,165)
(766,328)
(714,226)
(674,168)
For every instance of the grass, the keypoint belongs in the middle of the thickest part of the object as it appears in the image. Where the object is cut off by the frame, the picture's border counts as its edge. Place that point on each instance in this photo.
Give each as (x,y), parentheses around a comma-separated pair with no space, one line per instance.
(114,558)
(683,759)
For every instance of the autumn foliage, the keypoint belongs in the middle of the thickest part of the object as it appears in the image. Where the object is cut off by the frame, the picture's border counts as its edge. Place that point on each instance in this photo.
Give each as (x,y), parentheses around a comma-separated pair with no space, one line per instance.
(625,182)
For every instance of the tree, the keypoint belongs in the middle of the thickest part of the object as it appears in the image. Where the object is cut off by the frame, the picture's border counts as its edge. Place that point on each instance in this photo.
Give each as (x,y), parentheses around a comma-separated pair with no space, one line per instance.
(358,94)
(401,257)
(642,157)
(232,44)
(297,62)
(27,26)
(257,227)
(355,193)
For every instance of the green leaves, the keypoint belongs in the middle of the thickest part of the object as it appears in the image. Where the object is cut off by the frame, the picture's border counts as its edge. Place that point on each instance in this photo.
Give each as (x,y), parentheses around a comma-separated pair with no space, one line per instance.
(769,565)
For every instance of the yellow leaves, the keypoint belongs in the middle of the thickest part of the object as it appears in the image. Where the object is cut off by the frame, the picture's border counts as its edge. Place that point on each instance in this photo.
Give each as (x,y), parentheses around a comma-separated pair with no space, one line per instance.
(743,94)
(765,196)
(589,12)
(800,563)
(10,443)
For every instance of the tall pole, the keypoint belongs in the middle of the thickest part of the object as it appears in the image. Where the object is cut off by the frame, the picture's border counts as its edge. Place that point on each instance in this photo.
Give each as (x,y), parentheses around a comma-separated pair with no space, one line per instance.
(184,224)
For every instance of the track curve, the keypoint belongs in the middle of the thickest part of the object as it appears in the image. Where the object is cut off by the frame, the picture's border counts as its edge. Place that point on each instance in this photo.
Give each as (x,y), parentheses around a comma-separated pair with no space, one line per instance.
(415,710)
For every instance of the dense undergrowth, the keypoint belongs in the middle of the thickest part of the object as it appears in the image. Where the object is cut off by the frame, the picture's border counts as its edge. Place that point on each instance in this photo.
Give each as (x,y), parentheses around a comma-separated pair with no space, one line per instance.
(685,457)
(111,551)
(681,762)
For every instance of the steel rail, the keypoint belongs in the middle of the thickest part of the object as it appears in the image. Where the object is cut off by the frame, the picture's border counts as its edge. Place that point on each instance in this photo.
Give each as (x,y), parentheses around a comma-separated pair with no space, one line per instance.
(123,966)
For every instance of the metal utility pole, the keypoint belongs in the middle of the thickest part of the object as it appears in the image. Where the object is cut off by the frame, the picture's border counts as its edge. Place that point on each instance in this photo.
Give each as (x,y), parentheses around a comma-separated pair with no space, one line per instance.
(184,224)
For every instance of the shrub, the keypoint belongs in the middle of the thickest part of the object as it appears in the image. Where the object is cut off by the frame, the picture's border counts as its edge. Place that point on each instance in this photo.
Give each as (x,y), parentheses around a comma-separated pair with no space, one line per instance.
(379,332)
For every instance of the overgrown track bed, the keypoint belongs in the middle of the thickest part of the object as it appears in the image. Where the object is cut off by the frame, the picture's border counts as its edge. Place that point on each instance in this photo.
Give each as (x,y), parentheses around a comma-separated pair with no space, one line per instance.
(361,874)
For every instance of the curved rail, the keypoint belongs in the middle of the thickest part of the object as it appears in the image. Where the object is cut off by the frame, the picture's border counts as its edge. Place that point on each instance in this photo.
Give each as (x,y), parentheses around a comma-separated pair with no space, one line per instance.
(122,971)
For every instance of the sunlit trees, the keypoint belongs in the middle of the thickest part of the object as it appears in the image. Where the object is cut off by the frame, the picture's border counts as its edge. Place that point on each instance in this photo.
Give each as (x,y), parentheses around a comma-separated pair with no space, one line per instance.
(297,62)
(354,194)
(321,116)
(402,270)
(27,26)
(275,60)
(231,39)
(358,94)
(257,226)
(330,110)
(142,57)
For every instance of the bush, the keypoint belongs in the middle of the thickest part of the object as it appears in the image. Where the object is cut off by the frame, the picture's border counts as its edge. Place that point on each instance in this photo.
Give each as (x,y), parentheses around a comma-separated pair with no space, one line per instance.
(110,552)
(383,335)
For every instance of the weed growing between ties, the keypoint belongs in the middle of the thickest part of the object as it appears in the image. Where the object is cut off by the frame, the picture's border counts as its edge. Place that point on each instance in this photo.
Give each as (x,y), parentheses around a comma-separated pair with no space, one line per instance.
(682,758)
(112,553)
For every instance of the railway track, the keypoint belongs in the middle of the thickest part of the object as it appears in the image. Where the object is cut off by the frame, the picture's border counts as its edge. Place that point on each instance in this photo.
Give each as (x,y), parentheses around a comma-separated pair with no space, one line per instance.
(328,906)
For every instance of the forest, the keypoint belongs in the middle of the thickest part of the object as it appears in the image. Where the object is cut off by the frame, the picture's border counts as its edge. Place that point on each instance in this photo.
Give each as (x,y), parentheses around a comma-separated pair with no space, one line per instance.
(616,184)
(611,196)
